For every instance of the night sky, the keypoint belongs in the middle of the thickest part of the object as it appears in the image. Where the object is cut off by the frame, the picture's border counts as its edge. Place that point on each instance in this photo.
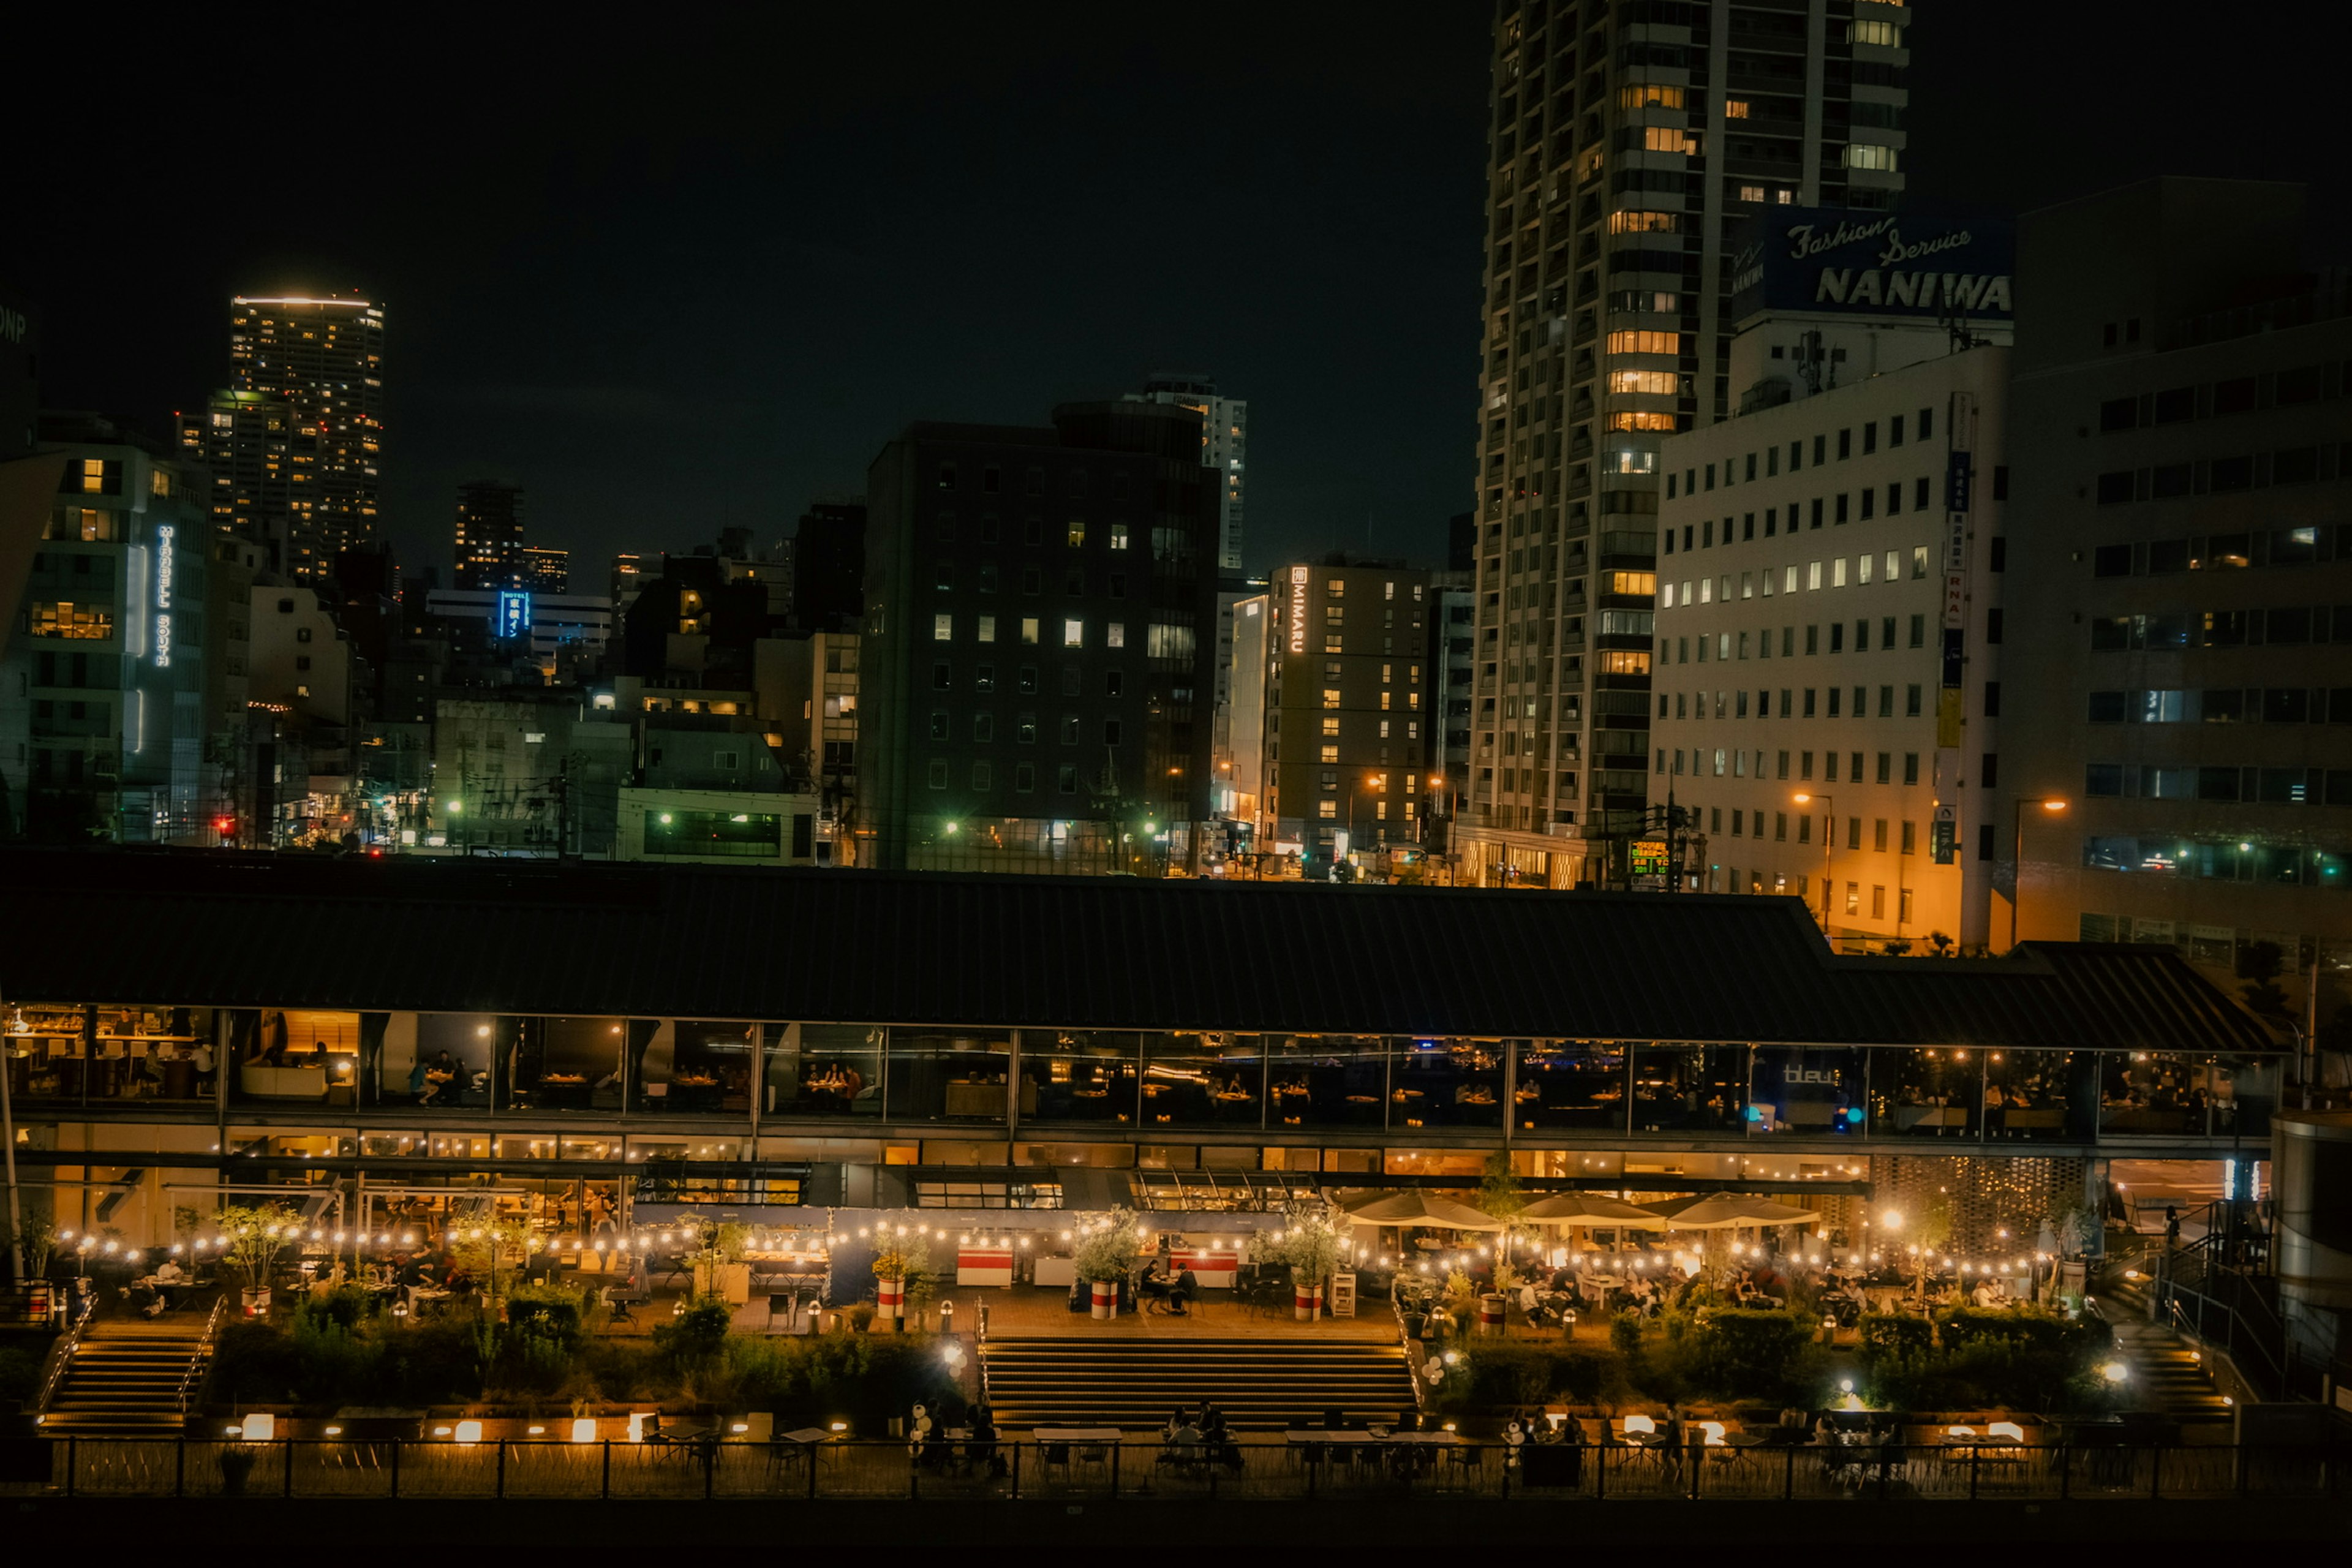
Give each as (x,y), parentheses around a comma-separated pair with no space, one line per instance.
(671,284)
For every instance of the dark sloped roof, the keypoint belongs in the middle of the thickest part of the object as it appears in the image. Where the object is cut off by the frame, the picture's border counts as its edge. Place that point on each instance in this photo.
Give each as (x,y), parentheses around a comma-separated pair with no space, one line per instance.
(206,929)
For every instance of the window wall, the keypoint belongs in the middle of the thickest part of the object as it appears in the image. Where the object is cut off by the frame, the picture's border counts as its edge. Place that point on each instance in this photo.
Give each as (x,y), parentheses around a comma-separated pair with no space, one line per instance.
(1689,1088)
(1570,1085)
(1326,1081)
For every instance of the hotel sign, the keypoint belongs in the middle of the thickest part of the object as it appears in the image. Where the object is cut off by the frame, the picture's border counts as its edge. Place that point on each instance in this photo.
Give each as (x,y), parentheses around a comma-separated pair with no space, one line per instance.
(514,613)
(164,535)
(1298,609)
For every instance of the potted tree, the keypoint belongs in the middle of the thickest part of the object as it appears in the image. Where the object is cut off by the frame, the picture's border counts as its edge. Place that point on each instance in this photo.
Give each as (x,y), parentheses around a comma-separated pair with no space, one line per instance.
(1102,1257)
(1308,1246)
(901,1256)
(251,1238)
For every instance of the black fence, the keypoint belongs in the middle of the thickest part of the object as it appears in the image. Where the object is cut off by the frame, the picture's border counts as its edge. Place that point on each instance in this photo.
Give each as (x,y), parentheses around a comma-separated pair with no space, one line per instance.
(1337,1468)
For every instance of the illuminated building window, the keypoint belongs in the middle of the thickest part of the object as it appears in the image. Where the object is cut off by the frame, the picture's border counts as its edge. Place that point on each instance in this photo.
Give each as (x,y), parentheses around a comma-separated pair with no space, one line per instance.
(1644,223)
(1656,382)
(1648,95)
(1671,139)
(1645,342)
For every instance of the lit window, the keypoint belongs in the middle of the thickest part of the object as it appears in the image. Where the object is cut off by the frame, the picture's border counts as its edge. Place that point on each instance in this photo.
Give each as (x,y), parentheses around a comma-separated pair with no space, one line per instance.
(1029,630)
(1886,35)
(1073,633)
(1644,223)
(1735,109)
(987,627)
(1670,139)
(1645,342)
(943,628)
(1751,192)
(1330,697)
(1656,382)
(1118,536)
(1327,808)
(1648,95)
(1637,421)
(1869,155)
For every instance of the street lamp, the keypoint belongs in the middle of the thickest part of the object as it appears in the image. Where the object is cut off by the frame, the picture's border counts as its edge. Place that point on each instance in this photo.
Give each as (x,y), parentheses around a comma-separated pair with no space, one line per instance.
(2017,858)
(1829,833)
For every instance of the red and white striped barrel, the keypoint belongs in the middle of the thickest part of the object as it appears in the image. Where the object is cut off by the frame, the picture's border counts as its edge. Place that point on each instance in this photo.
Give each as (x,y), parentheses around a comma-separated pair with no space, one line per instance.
(1490,1314)
(1105,1300)
(890,1299)
(1304,1298)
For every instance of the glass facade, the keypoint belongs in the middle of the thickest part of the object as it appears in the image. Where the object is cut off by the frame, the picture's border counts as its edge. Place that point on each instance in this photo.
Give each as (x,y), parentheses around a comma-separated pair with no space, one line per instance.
(735,1074)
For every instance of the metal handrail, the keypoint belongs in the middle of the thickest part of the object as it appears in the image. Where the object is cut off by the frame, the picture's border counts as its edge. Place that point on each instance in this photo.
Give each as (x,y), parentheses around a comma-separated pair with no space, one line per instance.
(190,1381)
(53,1369)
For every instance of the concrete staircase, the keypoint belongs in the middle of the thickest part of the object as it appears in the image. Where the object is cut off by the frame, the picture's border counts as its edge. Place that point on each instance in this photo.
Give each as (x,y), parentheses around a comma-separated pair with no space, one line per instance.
(1134,1382)
(123,1380)
(2167,1373)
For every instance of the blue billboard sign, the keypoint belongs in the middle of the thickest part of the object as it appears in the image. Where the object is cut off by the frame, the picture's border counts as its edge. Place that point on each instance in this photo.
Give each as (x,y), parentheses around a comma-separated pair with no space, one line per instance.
(514,613)
(1828,260)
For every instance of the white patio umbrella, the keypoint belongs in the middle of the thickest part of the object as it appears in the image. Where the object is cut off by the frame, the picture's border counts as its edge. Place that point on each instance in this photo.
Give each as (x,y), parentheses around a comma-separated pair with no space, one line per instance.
(1589,1209)
(1424,1208)
(1723,1211)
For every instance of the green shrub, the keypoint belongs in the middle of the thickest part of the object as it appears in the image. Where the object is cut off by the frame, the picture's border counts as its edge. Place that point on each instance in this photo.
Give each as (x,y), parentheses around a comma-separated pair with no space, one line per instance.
(1497,1374)
(1738,1353)
(2035,1326)
(696,1336)
(1625,1334)
(1887,1335)
(548,1313)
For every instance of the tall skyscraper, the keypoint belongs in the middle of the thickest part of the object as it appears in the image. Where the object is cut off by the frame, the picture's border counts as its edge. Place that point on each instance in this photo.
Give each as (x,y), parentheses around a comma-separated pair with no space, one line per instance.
(489,543)
(296,443)
(1626,142)
(1224,446)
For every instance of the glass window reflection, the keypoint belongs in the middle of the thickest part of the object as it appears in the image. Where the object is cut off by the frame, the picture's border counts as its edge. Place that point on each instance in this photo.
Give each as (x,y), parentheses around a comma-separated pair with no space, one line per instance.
(1203,1080)
(1080,1075)
(1681,1087)
(1326,1081)
(827,1071)
(1932,1093)
(1571,1083)
(937,1075)
(1447,1083)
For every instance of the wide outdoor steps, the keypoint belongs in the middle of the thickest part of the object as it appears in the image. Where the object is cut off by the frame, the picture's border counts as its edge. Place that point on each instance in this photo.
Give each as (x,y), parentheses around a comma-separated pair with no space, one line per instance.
(1131,1383)
(124,1380)
(2169,1376)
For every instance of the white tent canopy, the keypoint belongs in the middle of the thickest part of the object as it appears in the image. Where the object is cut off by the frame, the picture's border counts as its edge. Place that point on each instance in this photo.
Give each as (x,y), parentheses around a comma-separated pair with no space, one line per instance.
(1418,1207)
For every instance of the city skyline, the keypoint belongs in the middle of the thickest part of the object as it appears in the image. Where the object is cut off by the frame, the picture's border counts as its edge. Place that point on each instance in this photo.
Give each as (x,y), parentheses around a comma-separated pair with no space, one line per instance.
(534,363)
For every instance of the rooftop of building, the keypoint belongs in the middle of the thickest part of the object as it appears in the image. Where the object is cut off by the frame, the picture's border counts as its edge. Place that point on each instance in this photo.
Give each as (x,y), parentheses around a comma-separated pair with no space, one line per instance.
(205,928)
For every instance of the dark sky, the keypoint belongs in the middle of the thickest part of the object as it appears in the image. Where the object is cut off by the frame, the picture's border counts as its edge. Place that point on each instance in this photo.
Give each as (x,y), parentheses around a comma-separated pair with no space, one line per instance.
(670,283)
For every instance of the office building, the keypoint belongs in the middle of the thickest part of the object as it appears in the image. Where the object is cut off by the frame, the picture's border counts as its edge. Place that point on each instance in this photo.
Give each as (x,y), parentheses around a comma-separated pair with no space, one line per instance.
(574,627)
(2180,661)
(1452,616)
(546,570)
(1829,569)
(1625,141)
(296,443)
(1035,671)
(1347,709)
(487,543)
(109,652)
(1225,447)
(628,574)
(1243,782)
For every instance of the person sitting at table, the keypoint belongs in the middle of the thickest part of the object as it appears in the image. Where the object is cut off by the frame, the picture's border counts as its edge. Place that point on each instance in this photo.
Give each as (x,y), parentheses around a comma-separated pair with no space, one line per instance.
(168,1273)
(1217,1439)
(1152,1282)
(1186,1286)
(1175,1423)
(979,1449)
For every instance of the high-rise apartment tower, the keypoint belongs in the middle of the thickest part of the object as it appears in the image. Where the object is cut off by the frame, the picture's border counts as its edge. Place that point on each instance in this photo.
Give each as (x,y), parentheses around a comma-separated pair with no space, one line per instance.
(1626,142)
(487,543)
(296,443)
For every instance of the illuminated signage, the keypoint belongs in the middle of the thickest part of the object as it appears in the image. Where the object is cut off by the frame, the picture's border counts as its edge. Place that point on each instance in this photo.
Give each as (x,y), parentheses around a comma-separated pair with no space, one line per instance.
(514,613)
(1649,858)
(1298,609)
(165,533)
(1827,259)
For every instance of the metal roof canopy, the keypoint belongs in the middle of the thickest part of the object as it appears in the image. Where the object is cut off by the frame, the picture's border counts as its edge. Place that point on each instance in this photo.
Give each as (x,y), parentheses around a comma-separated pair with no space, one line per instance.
(207,928)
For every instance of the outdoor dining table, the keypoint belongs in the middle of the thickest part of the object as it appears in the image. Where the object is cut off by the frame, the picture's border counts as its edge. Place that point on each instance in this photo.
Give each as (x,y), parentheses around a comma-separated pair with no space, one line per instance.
(1076,1434)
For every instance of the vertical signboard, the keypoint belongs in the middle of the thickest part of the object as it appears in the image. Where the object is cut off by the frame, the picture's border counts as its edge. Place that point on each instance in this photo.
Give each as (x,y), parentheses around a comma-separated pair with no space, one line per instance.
(1959,488)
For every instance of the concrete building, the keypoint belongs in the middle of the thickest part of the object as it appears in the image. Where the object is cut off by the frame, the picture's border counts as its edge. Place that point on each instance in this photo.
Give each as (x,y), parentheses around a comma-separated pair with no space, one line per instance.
(1036,666)
(1858,495)
(1347,710)
(1244,784)
(546,570)
(1224,448)
(107,655)
(829,566)
(557,628)
(2176,575)
(1828,629)
(302,667)
(718,827)
(1624,143)
(1453,614)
